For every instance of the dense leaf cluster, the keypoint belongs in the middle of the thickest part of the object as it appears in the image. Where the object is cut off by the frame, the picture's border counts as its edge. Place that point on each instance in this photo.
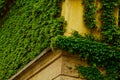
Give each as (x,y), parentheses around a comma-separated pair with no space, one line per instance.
(2,4)
(26,31)
(96,53)
(110,29)
(2,7)
(86,71)
(90,13)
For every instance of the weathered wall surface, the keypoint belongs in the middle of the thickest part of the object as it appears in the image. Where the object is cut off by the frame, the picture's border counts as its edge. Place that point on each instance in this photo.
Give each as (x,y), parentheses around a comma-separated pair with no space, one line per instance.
(62,68)
(72,10)
(58,65)
(49,72)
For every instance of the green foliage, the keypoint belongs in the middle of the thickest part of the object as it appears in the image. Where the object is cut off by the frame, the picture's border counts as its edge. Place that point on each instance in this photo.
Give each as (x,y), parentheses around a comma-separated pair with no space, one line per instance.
(111,34)
(90,73)
(2,3)
(2,6)
(26,31)
(105,54)
(96,53)
(90,13)
(31,24)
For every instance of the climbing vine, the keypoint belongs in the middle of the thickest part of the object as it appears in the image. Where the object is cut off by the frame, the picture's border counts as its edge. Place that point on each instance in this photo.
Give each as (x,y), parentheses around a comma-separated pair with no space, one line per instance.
(109,27)
(86,71)
(96,53)
(32,25)
(2,5)
(4,9)
(26,31)
(90,13)
(104,53)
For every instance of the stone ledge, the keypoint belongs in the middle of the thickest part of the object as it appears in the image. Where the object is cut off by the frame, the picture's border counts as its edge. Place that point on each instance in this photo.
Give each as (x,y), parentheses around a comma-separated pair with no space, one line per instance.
(51,65)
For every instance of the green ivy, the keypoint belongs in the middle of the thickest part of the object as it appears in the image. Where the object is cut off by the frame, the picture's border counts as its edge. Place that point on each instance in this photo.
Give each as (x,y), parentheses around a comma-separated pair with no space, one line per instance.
(89,72)
(90,13)
(5,6)
(96,53)
(26,31)
(110,33)
(2,4)
(32,25)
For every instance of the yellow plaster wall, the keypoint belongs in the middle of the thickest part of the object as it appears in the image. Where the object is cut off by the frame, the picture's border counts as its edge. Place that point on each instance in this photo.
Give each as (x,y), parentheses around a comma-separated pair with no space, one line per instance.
(117,15)
(72,10)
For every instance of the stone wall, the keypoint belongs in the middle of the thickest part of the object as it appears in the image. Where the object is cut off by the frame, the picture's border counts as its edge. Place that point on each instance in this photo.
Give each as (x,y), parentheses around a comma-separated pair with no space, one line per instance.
(73,11)
(52,65)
